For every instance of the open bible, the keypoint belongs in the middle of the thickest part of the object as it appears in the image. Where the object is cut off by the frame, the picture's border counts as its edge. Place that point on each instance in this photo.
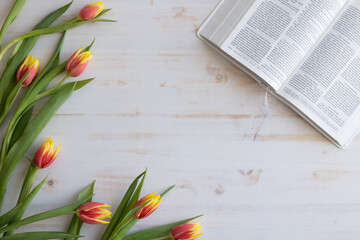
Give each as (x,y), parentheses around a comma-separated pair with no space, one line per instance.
(306,52)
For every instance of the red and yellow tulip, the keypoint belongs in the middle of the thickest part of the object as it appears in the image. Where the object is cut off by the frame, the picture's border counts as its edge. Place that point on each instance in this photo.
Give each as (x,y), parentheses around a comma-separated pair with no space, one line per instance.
(186,231)
(78,63)
(152,204)
(30,66)
(90,11)
(93,213)
(46,155)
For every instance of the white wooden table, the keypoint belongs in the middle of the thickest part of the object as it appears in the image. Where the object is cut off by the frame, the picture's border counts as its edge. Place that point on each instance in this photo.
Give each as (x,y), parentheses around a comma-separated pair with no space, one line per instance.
(164,100)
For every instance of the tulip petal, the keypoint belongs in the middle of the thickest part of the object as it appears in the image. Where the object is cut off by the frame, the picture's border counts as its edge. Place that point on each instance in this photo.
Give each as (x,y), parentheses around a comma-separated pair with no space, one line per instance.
(89,220)
(78,63)
(29,67)
(186,231)
(91,11)
(150,207)
(144,199)
(91,205)
(45,156)
(93,212)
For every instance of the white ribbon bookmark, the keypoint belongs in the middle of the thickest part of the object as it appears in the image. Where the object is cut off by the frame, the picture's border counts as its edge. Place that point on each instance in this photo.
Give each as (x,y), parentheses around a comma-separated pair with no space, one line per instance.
(266,104)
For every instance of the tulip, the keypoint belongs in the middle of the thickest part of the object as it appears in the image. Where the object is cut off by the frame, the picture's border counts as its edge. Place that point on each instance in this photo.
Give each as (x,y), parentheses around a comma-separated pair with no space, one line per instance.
(93,213)
(91,11)
(46,155)
(78,63)
(152,204)
(30,66)
(186,231)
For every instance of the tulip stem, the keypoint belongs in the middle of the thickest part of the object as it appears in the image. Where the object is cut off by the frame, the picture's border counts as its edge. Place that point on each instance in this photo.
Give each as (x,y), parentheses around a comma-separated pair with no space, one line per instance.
(28,182)
(71,20)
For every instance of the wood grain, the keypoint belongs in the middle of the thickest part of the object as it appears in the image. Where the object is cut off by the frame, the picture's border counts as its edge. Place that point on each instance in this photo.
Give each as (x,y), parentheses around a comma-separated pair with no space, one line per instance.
(165,101)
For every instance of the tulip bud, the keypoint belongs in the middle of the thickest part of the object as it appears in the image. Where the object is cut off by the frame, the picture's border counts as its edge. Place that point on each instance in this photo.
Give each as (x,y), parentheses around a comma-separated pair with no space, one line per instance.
(78,63)
(93,213)
(30,66)
(186,231)
(91,11)
(45,156)
(150,207)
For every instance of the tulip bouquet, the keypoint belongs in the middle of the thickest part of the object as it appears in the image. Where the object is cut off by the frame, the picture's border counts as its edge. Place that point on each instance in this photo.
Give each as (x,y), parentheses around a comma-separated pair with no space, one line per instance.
(22,85)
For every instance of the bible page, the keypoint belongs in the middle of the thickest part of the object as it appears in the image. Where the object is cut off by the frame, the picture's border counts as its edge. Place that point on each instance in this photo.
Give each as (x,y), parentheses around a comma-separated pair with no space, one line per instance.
(275,35)
(326,87)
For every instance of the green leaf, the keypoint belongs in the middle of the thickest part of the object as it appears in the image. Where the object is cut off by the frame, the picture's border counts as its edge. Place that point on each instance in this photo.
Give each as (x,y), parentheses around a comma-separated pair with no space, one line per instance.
(89,47)
(76,223)
(28,199)
(6,217)
(53,16)
(83,83)
(7,79)
(25,190)
(105,20)
(31,132)
(38,236)
(103,12)
(121,228)
(7,91)
(53,61)
(20,126)
(20,209)
(120,211)
(16,8)
(156,231)
(121,234)
(16,49)
(79,85)
(87,193)
(167,191)
(135,196)
(44,215)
